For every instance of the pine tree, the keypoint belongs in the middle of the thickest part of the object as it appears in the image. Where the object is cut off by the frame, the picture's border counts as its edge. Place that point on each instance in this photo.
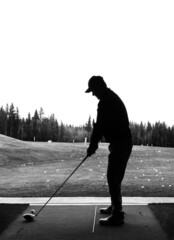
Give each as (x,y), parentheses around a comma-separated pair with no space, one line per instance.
(28,128)
(3,118)
(35,125)
(7,122)
(142,133)
(12,120)
(88,128)
(44,133)
(56,131)
(149,134)
(17,123)
(41,113)
(62,133)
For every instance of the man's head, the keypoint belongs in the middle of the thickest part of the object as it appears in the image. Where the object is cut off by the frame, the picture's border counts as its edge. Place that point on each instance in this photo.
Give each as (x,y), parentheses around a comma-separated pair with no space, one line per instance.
(97,86)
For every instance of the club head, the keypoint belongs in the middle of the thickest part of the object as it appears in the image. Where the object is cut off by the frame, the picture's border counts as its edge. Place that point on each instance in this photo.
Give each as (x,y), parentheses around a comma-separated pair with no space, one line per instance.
(29,217)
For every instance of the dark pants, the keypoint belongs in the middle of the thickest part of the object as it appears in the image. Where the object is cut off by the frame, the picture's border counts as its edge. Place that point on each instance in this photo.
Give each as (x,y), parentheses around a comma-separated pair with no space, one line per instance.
(117,162)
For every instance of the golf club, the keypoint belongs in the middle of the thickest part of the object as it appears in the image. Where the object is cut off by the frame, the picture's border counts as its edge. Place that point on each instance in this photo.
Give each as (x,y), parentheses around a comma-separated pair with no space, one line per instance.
(31,216)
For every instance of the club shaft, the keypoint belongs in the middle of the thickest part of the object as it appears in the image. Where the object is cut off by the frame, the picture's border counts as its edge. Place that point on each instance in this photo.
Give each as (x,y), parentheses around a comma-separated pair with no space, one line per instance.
(61,185)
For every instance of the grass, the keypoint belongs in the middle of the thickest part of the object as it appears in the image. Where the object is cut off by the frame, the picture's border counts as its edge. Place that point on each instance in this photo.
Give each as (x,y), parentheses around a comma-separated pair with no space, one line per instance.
(165,215)
(29,169)
(33,169)
(9,212)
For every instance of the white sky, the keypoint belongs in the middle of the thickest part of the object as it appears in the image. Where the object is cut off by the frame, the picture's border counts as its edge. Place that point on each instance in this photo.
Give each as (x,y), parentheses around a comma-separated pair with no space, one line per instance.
(49,50)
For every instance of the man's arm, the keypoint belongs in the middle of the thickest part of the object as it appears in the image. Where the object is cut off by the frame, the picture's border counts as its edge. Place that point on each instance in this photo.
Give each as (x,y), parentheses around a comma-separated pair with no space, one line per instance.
(96,136)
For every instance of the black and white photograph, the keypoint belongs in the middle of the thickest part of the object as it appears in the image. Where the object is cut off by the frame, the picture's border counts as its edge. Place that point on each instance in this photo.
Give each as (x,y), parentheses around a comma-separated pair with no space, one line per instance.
(86,119)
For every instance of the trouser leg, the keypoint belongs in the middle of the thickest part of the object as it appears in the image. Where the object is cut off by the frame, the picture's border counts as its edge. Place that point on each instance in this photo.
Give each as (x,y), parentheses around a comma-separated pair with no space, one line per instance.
(117,163)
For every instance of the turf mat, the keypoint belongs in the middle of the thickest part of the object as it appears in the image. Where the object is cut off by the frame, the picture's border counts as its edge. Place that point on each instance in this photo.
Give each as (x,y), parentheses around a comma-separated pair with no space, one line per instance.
(165,215)
(8,213)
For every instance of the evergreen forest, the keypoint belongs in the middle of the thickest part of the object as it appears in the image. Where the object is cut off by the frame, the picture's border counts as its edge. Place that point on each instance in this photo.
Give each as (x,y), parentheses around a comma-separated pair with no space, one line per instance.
(37,127)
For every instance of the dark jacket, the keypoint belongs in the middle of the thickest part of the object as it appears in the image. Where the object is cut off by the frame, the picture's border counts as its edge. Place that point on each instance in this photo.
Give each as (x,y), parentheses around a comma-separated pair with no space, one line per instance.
(112,120)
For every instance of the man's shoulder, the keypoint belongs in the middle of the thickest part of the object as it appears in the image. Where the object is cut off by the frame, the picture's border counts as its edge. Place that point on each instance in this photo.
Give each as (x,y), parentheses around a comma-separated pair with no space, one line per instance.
(110,98)
(112,95)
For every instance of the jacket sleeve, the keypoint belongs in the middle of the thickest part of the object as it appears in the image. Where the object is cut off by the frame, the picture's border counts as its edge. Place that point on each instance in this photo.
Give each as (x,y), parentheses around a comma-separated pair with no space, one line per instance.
(97,132)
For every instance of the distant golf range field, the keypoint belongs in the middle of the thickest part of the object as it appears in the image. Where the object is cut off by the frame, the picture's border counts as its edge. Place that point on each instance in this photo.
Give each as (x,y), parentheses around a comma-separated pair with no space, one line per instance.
(37,169)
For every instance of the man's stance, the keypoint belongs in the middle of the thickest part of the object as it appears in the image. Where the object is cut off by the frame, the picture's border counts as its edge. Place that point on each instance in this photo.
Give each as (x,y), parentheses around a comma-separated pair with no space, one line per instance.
(112,123)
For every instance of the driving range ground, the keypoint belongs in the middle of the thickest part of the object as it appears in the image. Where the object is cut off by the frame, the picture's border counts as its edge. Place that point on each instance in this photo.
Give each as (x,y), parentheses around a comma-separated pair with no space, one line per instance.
(80,221)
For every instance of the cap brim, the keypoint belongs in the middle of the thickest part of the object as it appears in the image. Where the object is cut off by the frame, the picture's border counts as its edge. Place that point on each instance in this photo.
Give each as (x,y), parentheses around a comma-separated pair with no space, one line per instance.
(88,90)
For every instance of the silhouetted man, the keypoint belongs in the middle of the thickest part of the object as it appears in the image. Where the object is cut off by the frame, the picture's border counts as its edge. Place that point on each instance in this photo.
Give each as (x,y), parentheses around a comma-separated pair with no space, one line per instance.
(112,123)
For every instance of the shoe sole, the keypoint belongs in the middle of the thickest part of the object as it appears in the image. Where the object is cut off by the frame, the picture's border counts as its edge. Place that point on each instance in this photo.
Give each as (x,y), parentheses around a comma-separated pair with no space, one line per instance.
(106,213)
(111,224)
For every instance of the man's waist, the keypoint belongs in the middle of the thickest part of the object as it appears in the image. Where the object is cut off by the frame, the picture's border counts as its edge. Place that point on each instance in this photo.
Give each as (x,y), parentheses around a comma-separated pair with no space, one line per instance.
(116,137)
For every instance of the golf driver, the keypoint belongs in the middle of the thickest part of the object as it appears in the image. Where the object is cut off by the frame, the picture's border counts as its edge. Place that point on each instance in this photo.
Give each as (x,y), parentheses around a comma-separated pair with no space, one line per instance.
(31,216)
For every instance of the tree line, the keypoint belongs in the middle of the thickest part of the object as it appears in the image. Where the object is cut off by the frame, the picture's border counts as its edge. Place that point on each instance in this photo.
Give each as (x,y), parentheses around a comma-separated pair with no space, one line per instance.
(41,128)
(157,134)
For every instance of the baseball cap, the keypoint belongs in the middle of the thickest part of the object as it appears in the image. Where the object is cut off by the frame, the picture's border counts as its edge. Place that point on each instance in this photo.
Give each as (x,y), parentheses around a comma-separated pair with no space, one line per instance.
(94,83)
